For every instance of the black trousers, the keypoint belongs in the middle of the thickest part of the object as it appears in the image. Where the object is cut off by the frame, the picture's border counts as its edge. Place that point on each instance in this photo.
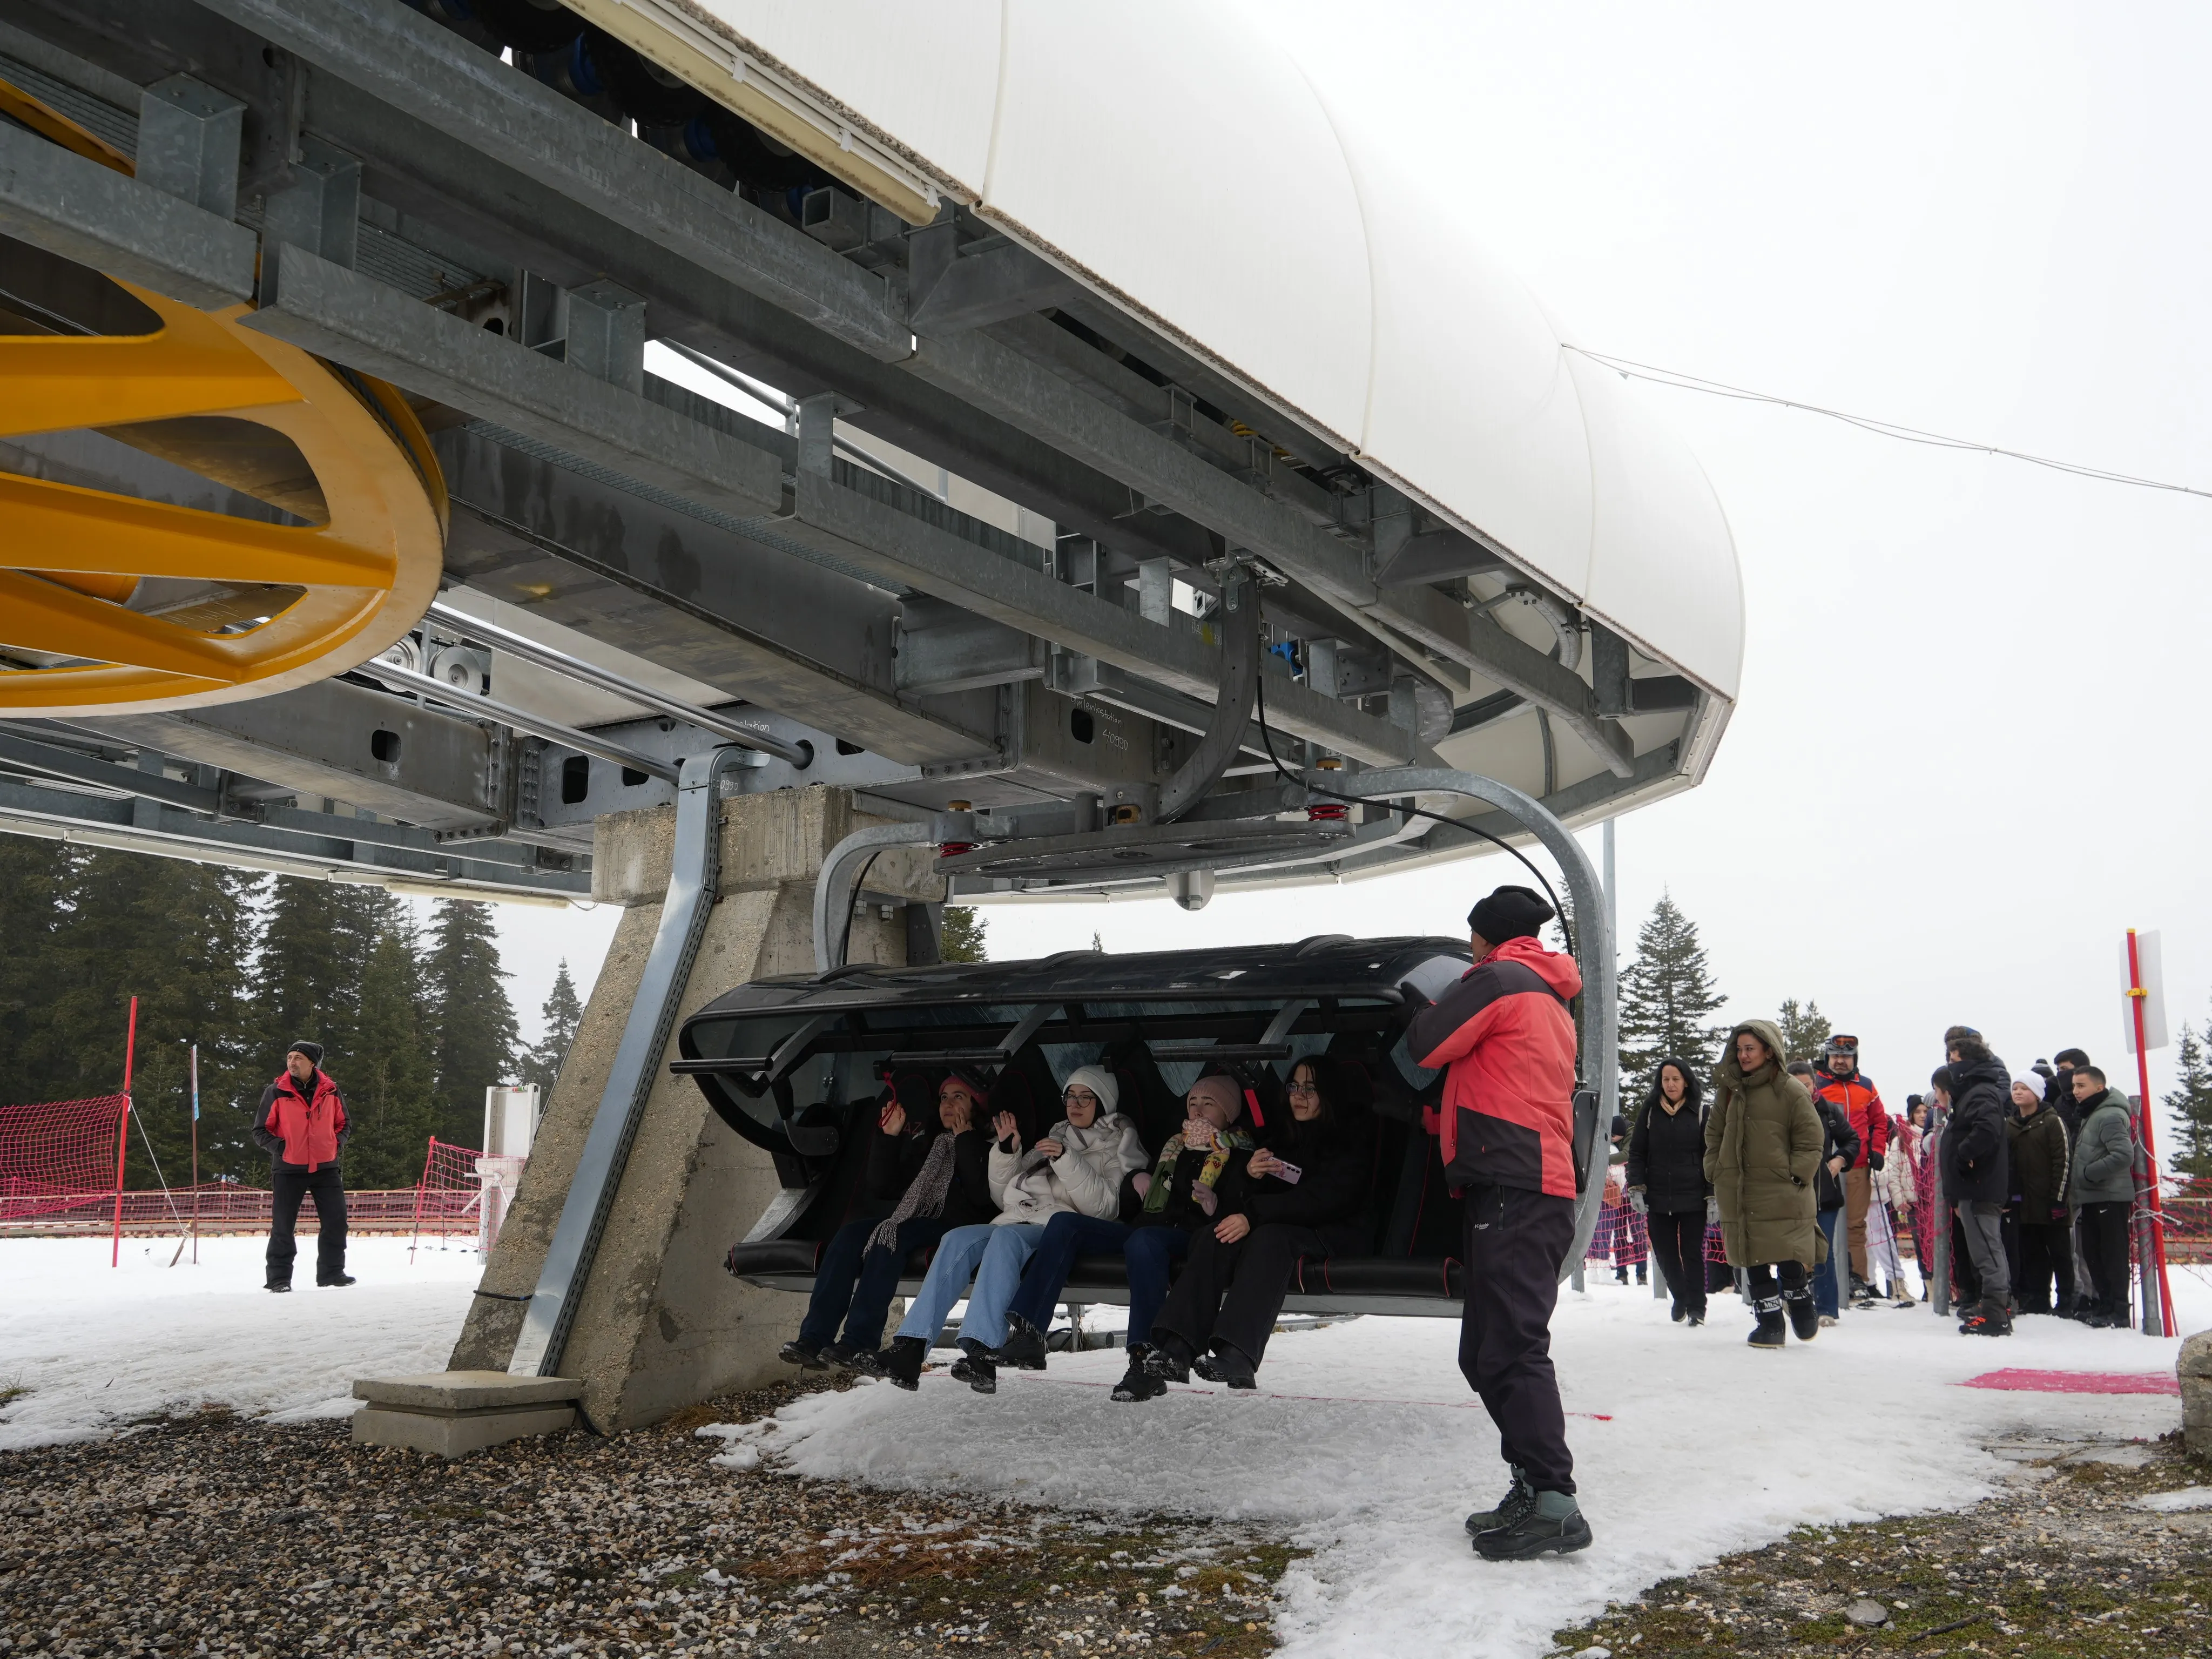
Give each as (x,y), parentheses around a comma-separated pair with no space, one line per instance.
(2105,1249)
(2046,1252)
(1513,1243)
(1966,1283)
(1679,1242)
(1233,1294)
(291,1185)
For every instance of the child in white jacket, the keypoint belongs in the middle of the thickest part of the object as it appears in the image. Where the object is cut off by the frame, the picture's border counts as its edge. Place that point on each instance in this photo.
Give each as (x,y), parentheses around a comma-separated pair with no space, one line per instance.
(1078,1166)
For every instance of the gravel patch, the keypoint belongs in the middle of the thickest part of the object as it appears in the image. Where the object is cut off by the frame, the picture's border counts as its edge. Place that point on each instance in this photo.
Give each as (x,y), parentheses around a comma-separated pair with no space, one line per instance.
(217,1535)
(2069,1559)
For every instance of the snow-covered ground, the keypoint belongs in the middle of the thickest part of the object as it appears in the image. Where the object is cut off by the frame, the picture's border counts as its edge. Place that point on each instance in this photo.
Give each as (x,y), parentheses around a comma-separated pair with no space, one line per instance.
(94,1346)
(1363,1442)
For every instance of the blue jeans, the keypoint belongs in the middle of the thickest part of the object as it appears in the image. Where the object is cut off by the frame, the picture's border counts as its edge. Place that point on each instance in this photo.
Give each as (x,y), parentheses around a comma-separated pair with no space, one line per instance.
(995,1256)
(1824,1276)
(1149,1252)
(854,1285)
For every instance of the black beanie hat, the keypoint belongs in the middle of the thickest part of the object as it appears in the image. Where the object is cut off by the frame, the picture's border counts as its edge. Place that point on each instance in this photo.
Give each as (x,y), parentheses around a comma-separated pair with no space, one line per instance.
(312,1050)
(1510,913)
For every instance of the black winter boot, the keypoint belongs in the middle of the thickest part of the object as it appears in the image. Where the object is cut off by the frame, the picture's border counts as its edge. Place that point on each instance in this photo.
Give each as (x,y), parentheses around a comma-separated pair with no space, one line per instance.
(1519,1500)
(279,1289)
(334,1283)
(1226,1363)
(800,1352)
(1804,1318)
(1137,1383)
(1770,1332)
(902,1361)
(1024,1347)
(1170,1358)
(1986,1318)
(974,1367)
(1551,1525)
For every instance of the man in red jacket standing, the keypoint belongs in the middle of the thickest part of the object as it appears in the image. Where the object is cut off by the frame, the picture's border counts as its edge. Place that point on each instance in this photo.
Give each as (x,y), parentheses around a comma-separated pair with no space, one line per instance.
(302,1125)
(1840,1083)
(1506,1125)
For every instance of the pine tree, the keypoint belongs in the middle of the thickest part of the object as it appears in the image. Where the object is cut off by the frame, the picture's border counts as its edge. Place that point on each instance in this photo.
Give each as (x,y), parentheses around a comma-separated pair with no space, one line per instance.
(387,1090)
(1805,1030)
(316,941)
(473,1038)
(2190,1103)
(963,939)
(1667,997)
(561,1013)
(34,883)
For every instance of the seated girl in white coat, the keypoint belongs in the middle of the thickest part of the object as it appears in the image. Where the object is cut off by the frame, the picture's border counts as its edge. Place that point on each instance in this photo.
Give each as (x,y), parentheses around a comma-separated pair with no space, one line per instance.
(1078,1167)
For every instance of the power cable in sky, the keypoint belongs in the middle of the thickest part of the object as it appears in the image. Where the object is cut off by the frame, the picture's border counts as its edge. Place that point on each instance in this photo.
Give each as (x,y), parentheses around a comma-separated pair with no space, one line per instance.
(1865,422)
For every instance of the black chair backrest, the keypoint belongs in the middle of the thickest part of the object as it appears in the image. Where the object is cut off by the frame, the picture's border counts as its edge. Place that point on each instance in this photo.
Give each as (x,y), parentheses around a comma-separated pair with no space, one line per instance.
(1408,1208)
(1145,1096)
(1028,1089)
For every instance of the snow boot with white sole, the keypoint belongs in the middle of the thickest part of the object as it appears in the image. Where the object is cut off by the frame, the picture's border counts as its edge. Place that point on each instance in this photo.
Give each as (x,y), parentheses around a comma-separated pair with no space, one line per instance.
(1168,1359)
(902,1361)
(1552,1525)
(1769,1333)
(974,1367)
(1024,1347)
(1137,1383)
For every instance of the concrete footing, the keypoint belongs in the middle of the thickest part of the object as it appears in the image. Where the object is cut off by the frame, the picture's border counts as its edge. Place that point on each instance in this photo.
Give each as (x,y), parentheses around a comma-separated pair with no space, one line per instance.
(453,1413)
(2195,1368)
(658,1324)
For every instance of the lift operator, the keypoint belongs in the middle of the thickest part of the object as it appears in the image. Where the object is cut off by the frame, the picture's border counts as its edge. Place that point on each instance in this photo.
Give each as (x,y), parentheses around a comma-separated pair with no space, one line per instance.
(1506,1127)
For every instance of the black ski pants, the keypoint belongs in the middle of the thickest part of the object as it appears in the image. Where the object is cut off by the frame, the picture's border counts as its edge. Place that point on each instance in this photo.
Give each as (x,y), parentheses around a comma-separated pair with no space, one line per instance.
(291,1185)
(1679,1242)
(2105,1247)
(1233,1294)
(1513,1243)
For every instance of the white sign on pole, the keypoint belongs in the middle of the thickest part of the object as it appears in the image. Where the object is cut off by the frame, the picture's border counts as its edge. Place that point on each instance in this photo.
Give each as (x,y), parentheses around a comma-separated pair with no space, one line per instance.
(2153,998)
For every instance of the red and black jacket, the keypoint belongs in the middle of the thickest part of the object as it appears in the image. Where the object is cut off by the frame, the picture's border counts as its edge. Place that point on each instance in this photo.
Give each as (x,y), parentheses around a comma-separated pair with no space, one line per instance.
(1508,1117)
(301,1131)
(1860,1103)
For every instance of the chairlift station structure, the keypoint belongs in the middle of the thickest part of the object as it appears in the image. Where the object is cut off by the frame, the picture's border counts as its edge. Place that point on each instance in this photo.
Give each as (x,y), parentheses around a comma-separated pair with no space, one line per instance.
(968,450)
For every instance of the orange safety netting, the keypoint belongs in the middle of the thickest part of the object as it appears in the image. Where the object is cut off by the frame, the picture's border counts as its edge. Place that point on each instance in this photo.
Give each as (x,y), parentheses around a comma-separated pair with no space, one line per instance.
(54,1154)
(449,1197)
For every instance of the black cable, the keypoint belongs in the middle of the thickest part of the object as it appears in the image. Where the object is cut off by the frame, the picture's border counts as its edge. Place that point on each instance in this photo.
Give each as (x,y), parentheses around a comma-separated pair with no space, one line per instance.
(845,940)
(1267,738)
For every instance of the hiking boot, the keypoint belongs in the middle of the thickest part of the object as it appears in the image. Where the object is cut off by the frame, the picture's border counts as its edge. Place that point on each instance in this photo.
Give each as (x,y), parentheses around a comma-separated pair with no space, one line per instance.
(974,1367)
(838,1356)
(1862,1292)
(1170,1360)
(1769,1333)
(1986,1318)
(279,1289)
(1226,1363)
(1137,1383)
(860,1362)
(1676,1312)
(1551,1525)
(802,1353)
(1024,1347)
(902,1361)
(1519,1500)
(1804,1318)
(1695,1320)
(337,1281)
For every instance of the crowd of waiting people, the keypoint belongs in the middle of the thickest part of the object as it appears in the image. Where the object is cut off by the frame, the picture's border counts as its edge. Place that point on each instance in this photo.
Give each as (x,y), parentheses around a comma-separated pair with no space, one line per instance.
(2031,1173)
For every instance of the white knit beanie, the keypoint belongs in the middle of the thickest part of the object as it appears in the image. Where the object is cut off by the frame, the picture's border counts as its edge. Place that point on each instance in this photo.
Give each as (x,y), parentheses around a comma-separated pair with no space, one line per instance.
(2031,1081)
(1100,1082)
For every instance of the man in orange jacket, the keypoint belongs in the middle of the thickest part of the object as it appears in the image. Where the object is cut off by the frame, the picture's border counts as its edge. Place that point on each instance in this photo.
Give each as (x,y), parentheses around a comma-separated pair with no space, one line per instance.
(1840,1083)
(1506,1128)
(302,1125)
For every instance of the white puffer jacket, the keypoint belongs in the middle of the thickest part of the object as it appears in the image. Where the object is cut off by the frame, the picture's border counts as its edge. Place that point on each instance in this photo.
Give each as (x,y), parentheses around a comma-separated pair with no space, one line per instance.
(1085,1178)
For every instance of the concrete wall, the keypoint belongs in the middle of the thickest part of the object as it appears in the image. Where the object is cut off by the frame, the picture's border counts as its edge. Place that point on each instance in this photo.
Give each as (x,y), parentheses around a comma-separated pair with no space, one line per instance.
(659,1325)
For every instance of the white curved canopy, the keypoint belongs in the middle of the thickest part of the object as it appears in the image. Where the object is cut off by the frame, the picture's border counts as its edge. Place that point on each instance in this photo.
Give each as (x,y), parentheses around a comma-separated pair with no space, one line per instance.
(1187,169)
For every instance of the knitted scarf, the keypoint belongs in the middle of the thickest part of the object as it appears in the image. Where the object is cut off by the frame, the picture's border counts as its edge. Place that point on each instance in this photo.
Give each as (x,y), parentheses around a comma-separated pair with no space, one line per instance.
(924,1194)
(1216,1160)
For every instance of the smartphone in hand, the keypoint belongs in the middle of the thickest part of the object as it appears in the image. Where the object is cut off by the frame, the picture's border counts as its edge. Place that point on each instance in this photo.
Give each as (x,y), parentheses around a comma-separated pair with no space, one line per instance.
(1289,1172)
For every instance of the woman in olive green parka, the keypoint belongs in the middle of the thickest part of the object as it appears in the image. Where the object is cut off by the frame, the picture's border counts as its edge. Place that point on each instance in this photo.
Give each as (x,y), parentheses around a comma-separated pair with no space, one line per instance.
(1763,1143)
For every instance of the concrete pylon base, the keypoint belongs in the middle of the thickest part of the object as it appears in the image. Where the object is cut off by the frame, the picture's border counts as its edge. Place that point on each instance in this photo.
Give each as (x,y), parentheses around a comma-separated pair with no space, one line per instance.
(659,1325)
(450,1413)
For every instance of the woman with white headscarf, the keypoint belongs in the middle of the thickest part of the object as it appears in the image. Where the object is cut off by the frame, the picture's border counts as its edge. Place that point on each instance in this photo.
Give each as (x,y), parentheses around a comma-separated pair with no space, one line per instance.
(1077,1169)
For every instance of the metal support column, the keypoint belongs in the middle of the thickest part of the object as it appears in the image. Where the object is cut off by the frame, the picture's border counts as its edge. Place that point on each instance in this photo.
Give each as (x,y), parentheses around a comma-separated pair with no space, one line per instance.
(692,877)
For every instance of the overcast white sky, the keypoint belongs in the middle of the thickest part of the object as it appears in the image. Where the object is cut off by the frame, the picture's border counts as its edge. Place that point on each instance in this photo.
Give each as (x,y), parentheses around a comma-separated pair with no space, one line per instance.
(1967,755)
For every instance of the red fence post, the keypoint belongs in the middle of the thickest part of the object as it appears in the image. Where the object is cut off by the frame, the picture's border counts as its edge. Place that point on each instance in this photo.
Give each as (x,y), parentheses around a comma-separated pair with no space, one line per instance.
(2136,995)
(421,1188)
(123,1131)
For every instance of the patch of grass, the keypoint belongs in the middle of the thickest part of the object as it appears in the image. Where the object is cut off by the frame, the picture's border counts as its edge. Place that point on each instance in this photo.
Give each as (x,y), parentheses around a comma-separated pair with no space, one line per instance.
(13,1390)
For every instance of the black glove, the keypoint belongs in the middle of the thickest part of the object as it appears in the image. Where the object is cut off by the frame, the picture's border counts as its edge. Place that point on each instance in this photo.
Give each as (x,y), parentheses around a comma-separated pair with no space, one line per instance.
(1874,1160)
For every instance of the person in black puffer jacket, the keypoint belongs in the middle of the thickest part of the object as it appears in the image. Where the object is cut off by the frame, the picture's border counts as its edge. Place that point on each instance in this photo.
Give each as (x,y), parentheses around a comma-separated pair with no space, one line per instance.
(1976,1175)
(1667,1182)
(1307,1184)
